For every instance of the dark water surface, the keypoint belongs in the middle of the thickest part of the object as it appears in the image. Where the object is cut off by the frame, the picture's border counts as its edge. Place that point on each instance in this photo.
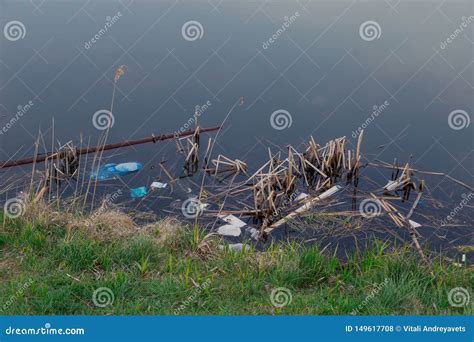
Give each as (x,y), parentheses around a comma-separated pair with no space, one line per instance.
(308,58)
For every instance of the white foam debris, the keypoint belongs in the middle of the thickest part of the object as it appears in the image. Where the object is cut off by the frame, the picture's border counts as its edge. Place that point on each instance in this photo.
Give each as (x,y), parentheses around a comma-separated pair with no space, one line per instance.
(229,230)
(236,247)
(232,228)
(232,220)
(158,185)
(414,224)
(254,233)
(239,247)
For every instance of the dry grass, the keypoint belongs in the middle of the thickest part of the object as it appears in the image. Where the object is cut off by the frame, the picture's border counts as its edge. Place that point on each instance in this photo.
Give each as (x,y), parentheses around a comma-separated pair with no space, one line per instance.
(37,210)
(163,231)
(105,225)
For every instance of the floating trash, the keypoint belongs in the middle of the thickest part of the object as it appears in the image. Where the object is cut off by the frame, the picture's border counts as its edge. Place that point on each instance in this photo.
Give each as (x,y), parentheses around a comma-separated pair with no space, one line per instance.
(236,247)
(233,226)
(232,220)
(414,224)
(126,168)
(113,171)
(138,192)
(158,185)
(254,233)
(301,196)
(229,230)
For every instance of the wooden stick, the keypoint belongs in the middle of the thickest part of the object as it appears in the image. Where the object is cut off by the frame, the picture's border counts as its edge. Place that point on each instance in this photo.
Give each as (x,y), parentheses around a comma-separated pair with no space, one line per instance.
(309,203)
(87,150)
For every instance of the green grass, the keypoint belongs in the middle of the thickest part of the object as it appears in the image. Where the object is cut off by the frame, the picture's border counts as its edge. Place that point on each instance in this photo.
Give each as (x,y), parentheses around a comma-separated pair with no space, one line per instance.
(44,271)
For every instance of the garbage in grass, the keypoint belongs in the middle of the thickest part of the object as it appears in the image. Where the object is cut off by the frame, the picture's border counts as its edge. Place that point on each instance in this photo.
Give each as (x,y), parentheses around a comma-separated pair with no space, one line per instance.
(236,247)
(113,171)
(158,185)
(254,233)
(293,185)
(138,192)
(229,230)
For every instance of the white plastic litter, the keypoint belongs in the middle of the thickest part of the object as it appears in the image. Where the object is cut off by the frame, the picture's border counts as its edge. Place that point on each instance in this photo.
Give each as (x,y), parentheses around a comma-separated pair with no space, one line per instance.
(254,233)
(391,185)
(232,220)
(232,228)
(229,230)
(236,247)
(158,185)
(301,196)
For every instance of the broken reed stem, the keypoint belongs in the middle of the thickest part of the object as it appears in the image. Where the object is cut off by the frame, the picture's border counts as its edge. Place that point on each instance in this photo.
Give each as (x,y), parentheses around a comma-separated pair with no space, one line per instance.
(403,222)
(391,166)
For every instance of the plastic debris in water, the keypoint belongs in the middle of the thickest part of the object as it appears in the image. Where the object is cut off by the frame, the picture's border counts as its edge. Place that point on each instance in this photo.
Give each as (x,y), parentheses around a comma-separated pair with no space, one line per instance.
(233,226)
(138,192)
(301,196)
(414,224)
(254,233)
(229,230)
(113,171)
(125,168)
(158,185)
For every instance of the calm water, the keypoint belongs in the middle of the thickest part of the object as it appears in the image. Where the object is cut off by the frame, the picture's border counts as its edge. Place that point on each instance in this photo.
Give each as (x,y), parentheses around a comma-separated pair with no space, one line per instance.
(310,59)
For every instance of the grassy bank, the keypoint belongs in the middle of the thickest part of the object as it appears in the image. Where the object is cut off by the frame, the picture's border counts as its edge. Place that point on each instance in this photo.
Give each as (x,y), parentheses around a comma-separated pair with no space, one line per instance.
(49,267)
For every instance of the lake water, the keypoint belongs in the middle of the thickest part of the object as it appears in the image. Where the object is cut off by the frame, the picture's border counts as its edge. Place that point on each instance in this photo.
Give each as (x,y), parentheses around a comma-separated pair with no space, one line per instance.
(403,70)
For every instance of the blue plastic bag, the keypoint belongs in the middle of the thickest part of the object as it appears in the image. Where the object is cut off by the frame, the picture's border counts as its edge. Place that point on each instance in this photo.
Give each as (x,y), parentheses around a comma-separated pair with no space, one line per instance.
(138,192)
(113,171)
